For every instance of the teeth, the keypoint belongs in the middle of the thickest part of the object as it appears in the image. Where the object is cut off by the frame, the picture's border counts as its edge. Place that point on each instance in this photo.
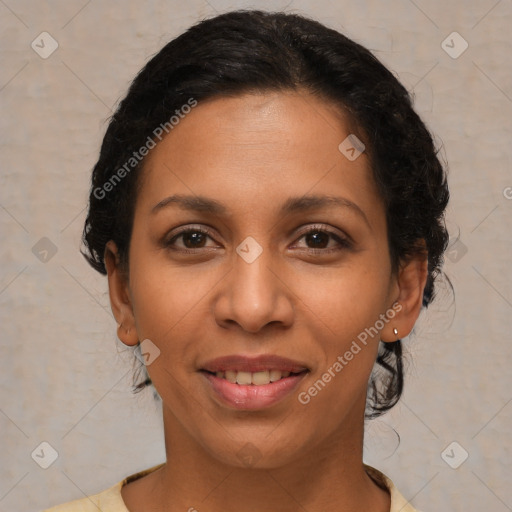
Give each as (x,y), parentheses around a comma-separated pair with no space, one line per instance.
(274,375)
(243,378)
(259,378)
(231,377)
(255,378)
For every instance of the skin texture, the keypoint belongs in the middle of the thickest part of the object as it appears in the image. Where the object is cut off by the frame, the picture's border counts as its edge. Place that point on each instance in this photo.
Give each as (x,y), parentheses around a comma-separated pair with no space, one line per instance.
(251,153)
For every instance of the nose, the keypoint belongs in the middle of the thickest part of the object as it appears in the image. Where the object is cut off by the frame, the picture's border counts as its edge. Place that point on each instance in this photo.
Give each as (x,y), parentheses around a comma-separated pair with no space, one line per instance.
(255,294)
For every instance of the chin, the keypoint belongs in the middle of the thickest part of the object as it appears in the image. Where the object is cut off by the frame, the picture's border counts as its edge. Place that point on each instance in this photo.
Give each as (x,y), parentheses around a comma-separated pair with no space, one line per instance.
(259,452)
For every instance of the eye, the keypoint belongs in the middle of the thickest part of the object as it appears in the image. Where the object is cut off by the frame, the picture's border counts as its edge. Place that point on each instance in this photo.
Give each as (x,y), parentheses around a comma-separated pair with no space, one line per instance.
(192,238)
(317,237)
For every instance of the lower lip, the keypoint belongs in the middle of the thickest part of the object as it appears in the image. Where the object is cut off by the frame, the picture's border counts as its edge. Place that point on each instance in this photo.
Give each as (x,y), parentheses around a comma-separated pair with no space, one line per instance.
(252,397)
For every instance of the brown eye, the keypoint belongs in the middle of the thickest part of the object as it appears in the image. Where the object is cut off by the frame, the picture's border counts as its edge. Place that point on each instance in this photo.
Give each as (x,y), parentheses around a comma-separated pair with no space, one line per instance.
(191,239)
(317,239)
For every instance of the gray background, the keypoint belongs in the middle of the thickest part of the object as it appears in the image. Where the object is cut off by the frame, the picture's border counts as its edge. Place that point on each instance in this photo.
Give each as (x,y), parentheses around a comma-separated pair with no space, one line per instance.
(66,380)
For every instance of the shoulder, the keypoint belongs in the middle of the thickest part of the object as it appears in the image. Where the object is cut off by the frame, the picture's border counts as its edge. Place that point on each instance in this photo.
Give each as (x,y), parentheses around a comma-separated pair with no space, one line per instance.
(110,499)
(398,502)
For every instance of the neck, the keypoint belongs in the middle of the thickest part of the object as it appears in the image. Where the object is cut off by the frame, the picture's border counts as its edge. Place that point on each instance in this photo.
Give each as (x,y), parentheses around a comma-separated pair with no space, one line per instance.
(328,477)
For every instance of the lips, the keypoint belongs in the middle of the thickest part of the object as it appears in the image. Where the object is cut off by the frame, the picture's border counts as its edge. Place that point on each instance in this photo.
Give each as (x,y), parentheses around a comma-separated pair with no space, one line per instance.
(252,383)
(239,363)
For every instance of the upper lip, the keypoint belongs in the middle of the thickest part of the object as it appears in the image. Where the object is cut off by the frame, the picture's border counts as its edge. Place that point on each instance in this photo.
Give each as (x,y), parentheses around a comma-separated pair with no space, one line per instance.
(253,364)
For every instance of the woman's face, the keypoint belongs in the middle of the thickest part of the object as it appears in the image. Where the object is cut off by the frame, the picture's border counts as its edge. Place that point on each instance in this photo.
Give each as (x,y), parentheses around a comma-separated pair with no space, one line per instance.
(254,284)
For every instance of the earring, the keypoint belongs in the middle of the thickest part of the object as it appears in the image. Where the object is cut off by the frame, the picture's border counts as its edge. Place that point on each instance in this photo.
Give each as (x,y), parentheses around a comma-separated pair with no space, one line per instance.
(395,331)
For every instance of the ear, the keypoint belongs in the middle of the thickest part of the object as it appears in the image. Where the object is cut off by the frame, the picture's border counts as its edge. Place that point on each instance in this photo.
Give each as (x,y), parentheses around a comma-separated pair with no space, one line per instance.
(119,296)
(410,283)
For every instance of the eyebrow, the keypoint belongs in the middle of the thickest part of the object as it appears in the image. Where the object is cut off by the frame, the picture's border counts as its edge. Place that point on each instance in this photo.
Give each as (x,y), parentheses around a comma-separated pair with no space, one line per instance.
(291,205)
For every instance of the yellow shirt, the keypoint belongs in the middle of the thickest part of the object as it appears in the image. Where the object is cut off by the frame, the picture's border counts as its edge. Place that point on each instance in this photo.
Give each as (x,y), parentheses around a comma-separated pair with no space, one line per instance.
(110,500)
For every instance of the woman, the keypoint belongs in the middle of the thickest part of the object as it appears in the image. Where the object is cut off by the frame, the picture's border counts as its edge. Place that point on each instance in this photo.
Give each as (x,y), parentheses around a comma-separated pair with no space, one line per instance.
(268,209)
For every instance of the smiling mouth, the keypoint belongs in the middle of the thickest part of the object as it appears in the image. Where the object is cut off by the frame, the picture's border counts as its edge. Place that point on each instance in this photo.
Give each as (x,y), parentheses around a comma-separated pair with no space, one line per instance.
(261,378)
(252,391)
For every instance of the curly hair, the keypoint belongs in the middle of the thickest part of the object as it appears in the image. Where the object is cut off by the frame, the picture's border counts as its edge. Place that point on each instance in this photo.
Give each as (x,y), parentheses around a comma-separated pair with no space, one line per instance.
(250,50)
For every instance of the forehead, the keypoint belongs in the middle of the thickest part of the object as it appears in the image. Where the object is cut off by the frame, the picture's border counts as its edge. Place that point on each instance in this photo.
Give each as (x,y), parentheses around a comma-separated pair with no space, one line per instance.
(254,150)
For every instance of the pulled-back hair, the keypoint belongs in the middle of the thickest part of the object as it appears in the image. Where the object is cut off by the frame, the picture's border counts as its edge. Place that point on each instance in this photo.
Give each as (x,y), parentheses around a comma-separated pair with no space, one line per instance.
(249,51)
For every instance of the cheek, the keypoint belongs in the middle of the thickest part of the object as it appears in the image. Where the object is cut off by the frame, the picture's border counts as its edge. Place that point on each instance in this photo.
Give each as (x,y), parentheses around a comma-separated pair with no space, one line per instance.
(345,300)
(342,314)
(163,295)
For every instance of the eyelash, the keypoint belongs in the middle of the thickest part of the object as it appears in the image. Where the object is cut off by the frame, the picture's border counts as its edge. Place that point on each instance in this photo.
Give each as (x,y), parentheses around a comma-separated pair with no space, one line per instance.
(343,243)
